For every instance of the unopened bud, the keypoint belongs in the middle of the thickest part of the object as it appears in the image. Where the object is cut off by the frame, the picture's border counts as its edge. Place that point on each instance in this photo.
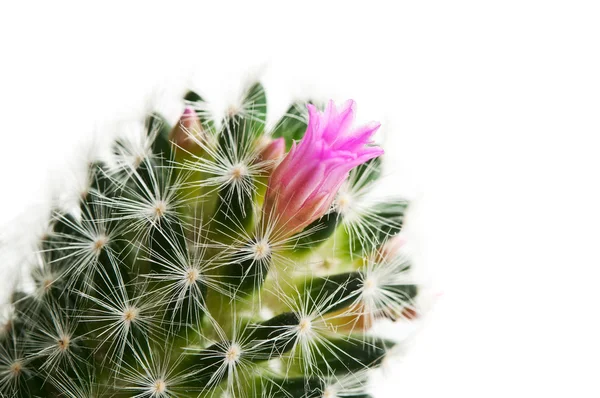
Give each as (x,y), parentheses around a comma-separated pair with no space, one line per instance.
(187,133)
(390,249)
(273,150)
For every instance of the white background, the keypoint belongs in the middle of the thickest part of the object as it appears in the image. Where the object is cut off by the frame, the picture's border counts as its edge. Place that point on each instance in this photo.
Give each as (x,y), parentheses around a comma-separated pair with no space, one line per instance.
(491,112)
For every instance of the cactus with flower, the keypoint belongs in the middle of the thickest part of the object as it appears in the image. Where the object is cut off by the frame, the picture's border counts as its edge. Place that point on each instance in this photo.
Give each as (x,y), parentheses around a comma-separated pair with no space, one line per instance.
(205,259)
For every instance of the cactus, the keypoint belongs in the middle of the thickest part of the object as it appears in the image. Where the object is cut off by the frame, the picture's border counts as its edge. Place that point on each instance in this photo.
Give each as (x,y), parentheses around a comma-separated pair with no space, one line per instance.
(211,259)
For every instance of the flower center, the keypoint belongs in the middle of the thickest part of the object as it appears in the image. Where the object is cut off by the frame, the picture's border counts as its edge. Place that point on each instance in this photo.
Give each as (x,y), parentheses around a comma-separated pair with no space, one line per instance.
(233,354)
(329,393)
(305,326)
(63,343)
(191,275)
(6,327)
(344,202)
(159,386)
(16,368)
(99,243)
(47,283)
(238,172)
(261,250)
(159,209)
(232,110)
(138,159)
(370,286)
(130,314)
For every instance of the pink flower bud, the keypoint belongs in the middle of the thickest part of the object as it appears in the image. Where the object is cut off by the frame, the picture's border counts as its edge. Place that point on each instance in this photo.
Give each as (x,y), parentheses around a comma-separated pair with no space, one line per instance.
(273,150)
(303,186)
(391,248)
(188,131)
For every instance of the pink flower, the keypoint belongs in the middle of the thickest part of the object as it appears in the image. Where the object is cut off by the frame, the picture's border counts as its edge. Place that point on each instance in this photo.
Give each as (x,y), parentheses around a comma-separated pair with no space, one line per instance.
(303,186)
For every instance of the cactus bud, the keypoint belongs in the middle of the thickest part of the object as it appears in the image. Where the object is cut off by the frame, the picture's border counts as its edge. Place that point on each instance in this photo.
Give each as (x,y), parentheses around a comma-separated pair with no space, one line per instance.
(188,131)
(391,248)
(273,150)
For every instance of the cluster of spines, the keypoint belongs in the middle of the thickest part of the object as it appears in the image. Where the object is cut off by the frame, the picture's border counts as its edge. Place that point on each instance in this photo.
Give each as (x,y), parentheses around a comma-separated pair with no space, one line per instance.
(169,281)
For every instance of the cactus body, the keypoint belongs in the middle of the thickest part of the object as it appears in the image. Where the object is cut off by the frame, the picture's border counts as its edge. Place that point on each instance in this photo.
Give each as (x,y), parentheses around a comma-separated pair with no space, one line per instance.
(180,275)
